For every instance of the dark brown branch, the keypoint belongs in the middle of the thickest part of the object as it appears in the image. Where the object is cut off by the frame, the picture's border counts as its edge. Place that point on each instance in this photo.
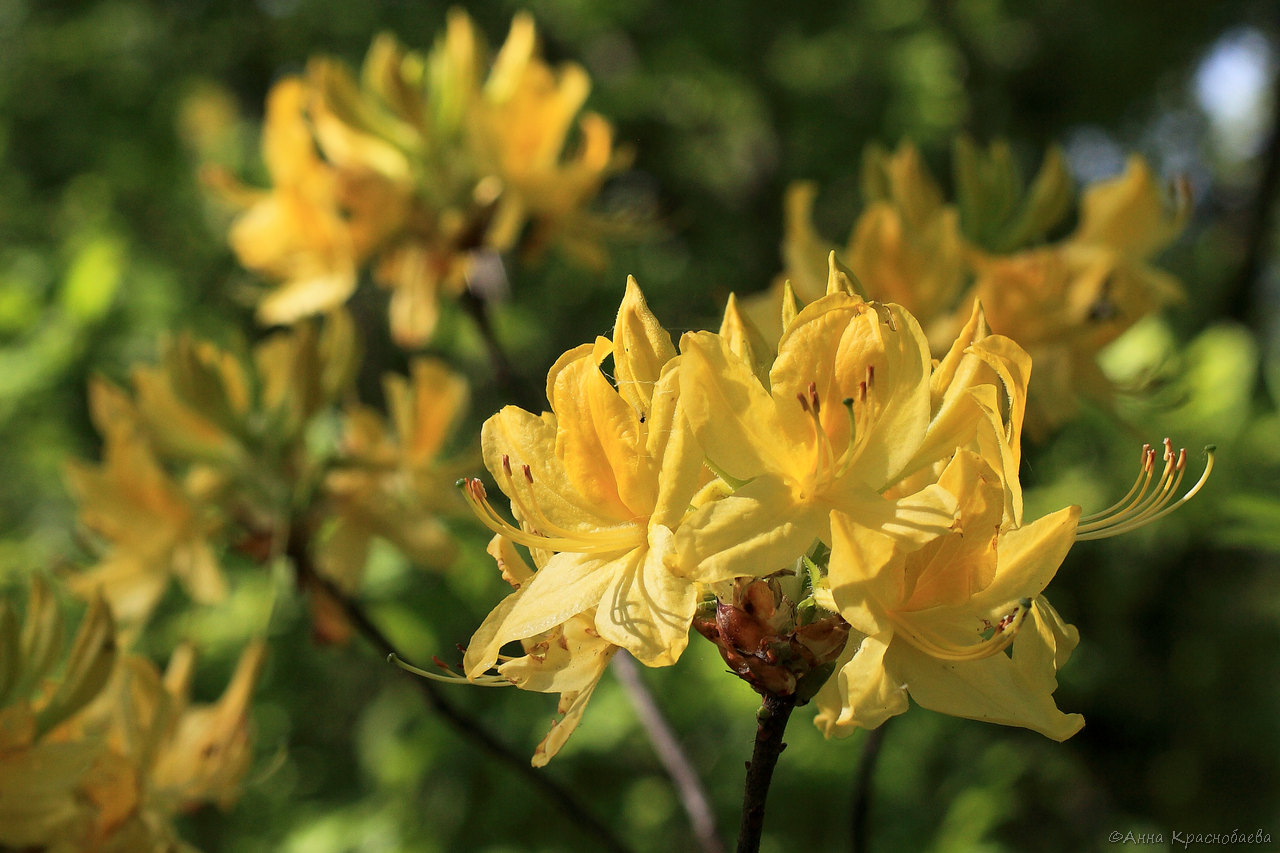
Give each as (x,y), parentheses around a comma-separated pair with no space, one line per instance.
(859,838)
(692,794)
(503,374)
(770,726)
(299,553)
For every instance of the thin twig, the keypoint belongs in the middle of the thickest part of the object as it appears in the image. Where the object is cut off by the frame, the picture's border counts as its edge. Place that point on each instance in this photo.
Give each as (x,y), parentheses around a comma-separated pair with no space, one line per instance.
(299,553)
(862,790)
(771,723)
(503,374)
(693,795)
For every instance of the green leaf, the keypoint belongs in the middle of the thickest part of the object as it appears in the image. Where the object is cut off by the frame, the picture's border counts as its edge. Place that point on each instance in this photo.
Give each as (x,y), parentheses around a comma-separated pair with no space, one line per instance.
(93,278)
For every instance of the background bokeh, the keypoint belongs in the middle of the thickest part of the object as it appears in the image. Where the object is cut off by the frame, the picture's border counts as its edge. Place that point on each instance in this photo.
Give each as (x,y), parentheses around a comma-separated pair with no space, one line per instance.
(108,241)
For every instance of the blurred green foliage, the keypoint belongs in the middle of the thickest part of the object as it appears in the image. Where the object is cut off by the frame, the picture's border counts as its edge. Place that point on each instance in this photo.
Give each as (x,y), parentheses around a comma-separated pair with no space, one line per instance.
(107,241)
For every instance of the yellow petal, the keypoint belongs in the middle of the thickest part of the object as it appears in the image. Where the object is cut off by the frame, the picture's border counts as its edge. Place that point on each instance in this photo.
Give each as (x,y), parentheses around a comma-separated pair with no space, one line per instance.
(744,340)
(866,574)
(527,439)
(647,609)
(514,569)
(751,533)
(677,455)
(566,586)
(949,569)
(640,349)
(733,417)
(803,250)
(1128,213)
(1029,557)
(1043,646)
(868,693)
(993,689)
(598,437)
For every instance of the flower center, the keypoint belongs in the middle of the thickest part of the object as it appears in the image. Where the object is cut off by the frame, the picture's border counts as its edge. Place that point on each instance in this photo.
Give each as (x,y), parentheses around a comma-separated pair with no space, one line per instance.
(826,466)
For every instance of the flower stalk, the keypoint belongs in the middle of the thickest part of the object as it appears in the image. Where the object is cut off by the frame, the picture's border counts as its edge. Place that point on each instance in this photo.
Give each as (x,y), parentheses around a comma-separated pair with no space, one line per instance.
(771,724)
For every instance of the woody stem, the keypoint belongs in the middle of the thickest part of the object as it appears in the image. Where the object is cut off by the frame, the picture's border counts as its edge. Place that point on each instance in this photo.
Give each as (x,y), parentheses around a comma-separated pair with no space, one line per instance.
(862,788)
(771,723)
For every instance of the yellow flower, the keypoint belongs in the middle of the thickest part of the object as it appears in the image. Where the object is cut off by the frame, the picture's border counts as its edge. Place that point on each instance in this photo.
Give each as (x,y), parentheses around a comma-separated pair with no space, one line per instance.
(163,756)
(415,167)
(154,527)
(600,483)
(932,620)
(526,115)
(905,247)
(393,480)
(295,232)
(1066,301)
(201,751)
(206,442)
(44,758)
(849,411)
(568,659)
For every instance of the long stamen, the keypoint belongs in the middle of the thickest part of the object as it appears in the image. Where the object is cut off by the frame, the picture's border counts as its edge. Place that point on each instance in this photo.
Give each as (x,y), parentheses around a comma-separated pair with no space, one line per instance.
(1170,478)
(451,677)
(1141,510)
(612,539)
(846,458)
(1004,633)
(823,454)
(1145,464)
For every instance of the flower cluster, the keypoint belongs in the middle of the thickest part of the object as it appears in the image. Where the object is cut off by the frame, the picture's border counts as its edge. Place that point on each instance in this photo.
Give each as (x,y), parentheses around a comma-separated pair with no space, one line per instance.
(118,749)
(417,168)
(214,453)
(1061,300)
(841,515)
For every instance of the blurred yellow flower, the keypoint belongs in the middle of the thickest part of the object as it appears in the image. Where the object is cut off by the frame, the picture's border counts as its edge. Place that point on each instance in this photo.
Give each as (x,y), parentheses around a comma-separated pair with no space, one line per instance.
(210,447)
(1066,301)
(393,479)
(104,757)
(43,760)
(905,247)
(1062,301)
(155,528)
(415,167)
